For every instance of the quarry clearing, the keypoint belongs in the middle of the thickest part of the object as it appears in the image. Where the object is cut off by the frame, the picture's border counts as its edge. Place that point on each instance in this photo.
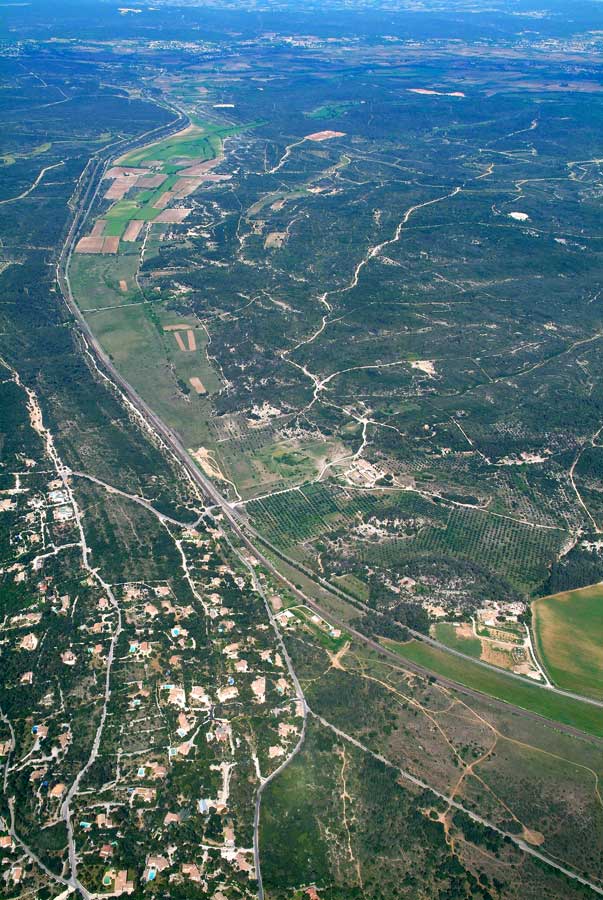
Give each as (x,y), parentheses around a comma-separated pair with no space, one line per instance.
(203,457)
(324,135)
(432,93)
(424,365)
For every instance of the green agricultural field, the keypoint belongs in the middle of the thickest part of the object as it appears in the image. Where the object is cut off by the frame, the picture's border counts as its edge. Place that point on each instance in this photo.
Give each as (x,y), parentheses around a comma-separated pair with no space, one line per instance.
(507,631)
(192,143)
(141,207)
(568,629)
(200,140)
(123,211)
(545,703)
(186,364)
(174,153)
(449,635)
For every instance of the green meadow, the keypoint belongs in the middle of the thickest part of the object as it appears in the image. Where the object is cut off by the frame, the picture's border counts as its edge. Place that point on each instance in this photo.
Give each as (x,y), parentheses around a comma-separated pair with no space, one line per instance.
(582,715)
(568,631)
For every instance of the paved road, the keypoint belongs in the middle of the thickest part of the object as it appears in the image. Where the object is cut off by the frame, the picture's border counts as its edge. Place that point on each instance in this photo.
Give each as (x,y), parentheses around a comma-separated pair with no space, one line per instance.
(299,696)
(163,517)
(480,662)
(334,590)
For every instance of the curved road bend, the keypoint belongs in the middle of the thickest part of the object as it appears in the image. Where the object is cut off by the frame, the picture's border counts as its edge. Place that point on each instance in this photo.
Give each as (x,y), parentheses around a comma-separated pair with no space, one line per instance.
(173,442)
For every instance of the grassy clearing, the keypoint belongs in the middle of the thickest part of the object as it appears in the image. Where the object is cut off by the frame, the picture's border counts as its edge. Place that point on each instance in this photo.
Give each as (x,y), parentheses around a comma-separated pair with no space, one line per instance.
(201,140)
(276,197)
(352,585)
(191,143)
(449,635)
(339,609)
(331,110)
(568,629)
(10,159)
(150,360)
(259,465)
(187,364)
(286,463)
(526,696)
(95,280)
(319,630)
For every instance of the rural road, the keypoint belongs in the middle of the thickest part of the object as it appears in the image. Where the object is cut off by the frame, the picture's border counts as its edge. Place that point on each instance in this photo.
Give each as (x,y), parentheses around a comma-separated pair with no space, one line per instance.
(337,592)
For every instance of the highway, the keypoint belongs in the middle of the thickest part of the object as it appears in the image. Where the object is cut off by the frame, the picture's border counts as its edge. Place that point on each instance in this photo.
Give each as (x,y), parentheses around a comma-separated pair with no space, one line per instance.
(86,197)
(246,534)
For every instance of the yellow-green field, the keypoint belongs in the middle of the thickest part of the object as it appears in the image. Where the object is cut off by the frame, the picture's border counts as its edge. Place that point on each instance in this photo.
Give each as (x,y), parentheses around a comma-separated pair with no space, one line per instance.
(10,159)
(172,374)
(582,715)
(195,142)
(568,630)
(201,140)
(257,467)
(457,639)
(352,585)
